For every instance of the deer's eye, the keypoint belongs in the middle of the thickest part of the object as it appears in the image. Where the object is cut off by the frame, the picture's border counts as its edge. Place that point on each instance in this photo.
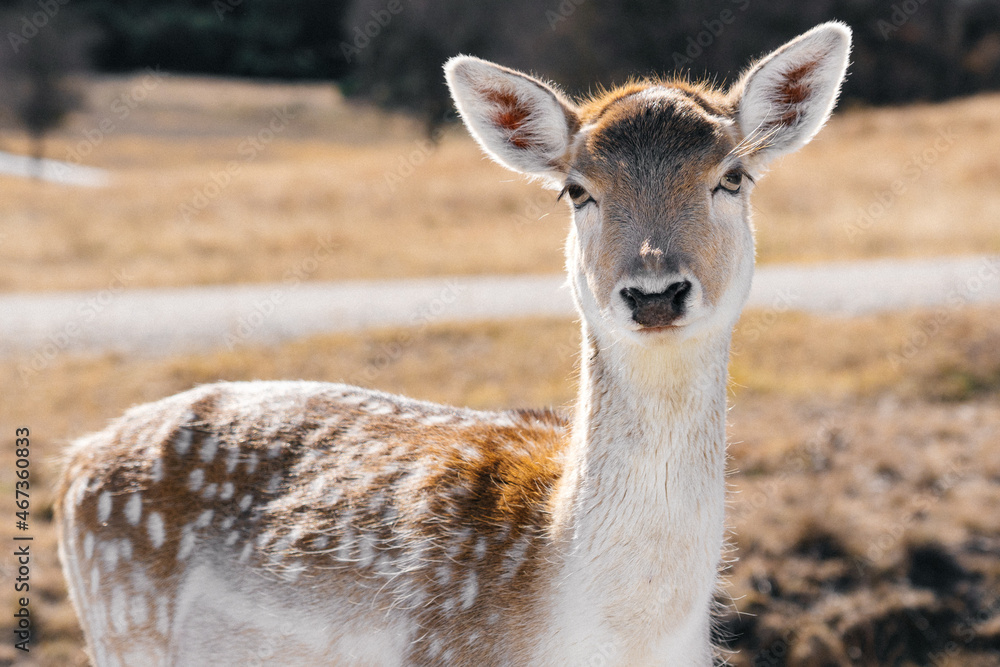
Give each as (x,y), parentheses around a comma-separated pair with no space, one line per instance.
(732,181)
(577,194)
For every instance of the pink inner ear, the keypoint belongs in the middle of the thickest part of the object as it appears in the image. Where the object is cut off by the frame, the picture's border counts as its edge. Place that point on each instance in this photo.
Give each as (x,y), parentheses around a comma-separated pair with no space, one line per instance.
(510,115)
(793,92)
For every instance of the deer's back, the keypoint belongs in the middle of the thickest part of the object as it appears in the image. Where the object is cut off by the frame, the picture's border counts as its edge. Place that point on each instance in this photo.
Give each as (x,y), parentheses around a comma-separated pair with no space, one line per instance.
(323,513)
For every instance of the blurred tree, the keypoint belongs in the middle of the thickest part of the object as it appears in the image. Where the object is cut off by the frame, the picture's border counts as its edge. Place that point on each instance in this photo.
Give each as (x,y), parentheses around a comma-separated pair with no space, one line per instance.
(43,49)
(289,39)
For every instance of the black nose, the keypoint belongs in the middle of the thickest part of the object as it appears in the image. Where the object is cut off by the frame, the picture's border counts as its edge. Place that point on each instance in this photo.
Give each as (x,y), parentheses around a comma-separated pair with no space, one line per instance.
(660,309)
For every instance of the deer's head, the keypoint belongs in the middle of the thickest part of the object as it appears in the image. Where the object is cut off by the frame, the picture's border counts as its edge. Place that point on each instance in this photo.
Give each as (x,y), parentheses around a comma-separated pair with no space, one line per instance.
(658,174)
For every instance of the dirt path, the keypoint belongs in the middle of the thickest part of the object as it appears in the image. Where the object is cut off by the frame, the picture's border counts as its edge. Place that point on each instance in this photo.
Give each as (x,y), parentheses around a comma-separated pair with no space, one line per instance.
(166,321)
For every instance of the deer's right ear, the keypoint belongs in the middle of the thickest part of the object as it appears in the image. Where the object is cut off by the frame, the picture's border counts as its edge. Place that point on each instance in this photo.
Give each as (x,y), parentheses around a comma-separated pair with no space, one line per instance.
(519,121)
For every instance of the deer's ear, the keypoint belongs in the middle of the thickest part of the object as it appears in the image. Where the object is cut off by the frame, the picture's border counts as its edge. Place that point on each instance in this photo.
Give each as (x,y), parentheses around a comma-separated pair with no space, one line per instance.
(519,121)
(785,98)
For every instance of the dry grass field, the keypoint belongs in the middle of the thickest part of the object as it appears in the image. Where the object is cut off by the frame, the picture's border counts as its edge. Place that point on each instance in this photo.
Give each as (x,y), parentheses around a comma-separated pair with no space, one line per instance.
(864,489)
(865,452)
(231,182)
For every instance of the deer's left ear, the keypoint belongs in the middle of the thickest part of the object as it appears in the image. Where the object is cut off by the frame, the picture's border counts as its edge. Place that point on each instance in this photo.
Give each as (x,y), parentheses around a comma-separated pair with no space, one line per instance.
(786,97)
(521,122)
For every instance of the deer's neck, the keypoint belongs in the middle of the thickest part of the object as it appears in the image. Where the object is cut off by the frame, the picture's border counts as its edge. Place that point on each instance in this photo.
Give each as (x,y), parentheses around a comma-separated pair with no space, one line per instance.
(640,513)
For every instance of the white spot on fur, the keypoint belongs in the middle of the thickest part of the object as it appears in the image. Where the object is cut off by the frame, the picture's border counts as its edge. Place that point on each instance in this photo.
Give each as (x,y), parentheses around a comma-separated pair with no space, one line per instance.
(514,558)
(444,575)
(470,590)
(88,546)
(470,454)
(321,542)
(139,610)
(182,443)
(275,449)
(156,473)
(208,448)
(346,543)
(435,420)
(273,484)
(377,408)
(80,491)
(118,619)
(157,534)
(209,492)
(226,492)
(245,502)
(251,462)
(95,581)
(204,518)
(293,571)
(104,506)
(196,479)
(125,549)
(264,538)
(232,459)
(187,542)
(232,537)
(503,421)
(133,508)
(162,617)
(354,399)
(366,549)
(245,554)
(480,550)
(109,554)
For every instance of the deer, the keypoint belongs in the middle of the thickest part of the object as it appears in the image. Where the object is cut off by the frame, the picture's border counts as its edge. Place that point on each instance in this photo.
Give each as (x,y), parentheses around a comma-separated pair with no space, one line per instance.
(311,523)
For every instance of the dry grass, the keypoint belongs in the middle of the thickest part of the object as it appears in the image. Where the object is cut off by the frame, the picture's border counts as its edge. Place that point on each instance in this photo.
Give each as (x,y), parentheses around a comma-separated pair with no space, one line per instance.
(864,492)
(323,179)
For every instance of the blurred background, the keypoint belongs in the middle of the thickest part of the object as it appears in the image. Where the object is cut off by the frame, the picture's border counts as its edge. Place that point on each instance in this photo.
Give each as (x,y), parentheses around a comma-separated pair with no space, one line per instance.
(165,145)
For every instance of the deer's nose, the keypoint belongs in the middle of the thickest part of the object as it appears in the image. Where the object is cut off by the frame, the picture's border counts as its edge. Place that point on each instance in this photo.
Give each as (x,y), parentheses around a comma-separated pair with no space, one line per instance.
(660,309)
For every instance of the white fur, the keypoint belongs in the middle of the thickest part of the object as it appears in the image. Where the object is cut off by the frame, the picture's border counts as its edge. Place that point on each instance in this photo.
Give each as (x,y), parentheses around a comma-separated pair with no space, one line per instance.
(828,46)
(546,127)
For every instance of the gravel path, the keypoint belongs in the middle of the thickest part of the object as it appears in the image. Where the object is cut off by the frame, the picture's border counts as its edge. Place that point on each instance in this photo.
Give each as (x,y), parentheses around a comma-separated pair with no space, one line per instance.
(153,322)
(53,171)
